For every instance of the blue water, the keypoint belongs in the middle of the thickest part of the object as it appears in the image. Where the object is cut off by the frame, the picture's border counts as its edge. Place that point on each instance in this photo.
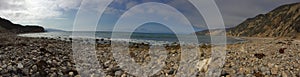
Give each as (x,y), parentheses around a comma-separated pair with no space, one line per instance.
(140,37)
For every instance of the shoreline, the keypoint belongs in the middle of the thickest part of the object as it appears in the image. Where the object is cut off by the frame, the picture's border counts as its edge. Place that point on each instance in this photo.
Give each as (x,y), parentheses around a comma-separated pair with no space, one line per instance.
(51,57)
(67,37)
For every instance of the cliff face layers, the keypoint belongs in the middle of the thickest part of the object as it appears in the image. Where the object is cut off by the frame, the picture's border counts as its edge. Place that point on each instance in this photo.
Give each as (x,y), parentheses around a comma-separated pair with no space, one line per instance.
(283,21)
(8,26)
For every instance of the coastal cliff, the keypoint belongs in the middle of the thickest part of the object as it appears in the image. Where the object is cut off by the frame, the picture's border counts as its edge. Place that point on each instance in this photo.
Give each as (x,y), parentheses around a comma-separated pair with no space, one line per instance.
(7,26)
(283,21)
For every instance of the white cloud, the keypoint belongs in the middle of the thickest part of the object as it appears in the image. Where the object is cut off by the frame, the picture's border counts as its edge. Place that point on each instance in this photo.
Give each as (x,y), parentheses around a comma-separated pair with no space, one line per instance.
(131,4)
(110,10)
(68,4)
(33,11)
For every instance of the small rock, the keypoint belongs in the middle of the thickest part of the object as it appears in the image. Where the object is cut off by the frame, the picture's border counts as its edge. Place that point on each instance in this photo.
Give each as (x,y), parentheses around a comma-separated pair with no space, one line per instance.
(4,66)
(228,75)
(53,75)
(34,51)
(43,49)
(118,73)
(123,75)
(274,70)
(258,74)
(53,69)
(77,76)
(49,61)
(9,67)
(71,73)
(172,71)
(263,69)
(259,55)
(240,75)
(284,74)
(224,73)
(281,50)
(203,65)
(20,65)
(60,73)
(34,68)
(249,75)
(270,65)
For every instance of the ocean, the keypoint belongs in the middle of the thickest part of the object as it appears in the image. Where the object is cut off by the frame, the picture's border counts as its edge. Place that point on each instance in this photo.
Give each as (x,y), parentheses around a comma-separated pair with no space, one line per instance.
(152,38)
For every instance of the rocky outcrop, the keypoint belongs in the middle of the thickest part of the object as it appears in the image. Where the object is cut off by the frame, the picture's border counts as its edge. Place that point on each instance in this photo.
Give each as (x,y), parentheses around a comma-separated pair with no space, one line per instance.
(283,21)
(8,26)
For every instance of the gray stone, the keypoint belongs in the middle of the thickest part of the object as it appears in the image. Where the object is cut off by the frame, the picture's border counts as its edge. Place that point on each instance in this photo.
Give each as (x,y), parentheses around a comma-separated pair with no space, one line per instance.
(264,69)
(53,69)
(49,61)
(241,75)
(53,75)
(118,73)
(34,68)
(4,66)
(20,65)
(10,68)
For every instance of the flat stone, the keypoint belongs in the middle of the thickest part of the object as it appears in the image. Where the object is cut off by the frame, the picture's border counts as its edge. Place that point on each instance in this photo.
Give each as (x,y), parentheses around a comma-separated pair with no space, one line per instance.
(71,73)
(20,65)
(284,74)
(34,68)
(274,70)
(118,73)
(4,66)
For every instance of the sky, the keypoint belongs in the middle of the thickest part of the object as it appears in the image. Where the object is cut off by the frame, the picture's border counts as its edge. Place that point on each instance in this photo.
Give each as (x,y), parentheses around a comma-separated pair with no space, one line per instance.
(60,14)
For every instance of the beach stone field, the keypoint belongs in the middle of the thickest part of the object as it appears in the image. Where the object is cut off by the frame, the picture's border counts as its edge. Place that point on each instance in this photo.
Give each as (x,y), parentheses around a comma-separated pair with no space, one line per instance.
(263,58)
(46,57)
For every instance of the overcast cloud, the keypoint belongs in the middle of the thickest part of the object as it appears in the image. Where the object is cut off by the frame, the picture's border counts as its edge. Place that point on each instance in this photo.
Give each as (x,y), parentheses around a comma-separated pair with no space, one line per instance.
(33,11)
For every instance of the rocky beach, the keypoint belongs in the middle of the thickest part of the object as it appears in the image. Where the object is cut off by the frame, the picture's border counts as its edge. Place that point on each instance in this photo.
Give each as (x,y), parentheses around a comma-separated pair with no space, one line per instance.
(36,57)
(270,47)
(263,57)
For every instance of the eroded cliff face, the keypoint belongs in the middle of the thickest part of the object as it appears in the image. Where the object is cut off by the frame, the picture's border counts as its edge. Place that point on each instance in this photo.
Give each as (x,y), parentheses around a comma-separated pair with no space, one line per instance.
(8,26)
(283,21)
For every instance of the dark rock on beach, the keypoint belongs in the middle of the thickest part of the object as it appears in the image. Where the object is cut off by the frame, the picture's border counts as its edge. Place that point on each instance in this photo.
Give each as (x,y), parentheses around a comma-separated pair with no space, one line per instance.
(259,55)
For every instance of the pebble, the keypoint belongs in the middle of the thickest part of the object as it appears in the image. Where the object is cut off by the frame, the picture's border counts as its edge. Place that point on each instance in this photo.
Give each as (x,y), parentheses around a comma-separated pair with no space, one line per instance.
(53,75)
(71,73)
(10,68)
(118,73)
(4,66)
(20,65)
(53,69)
(274,70)
(49,61)
(34,68)
(123,75)
(284,74)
